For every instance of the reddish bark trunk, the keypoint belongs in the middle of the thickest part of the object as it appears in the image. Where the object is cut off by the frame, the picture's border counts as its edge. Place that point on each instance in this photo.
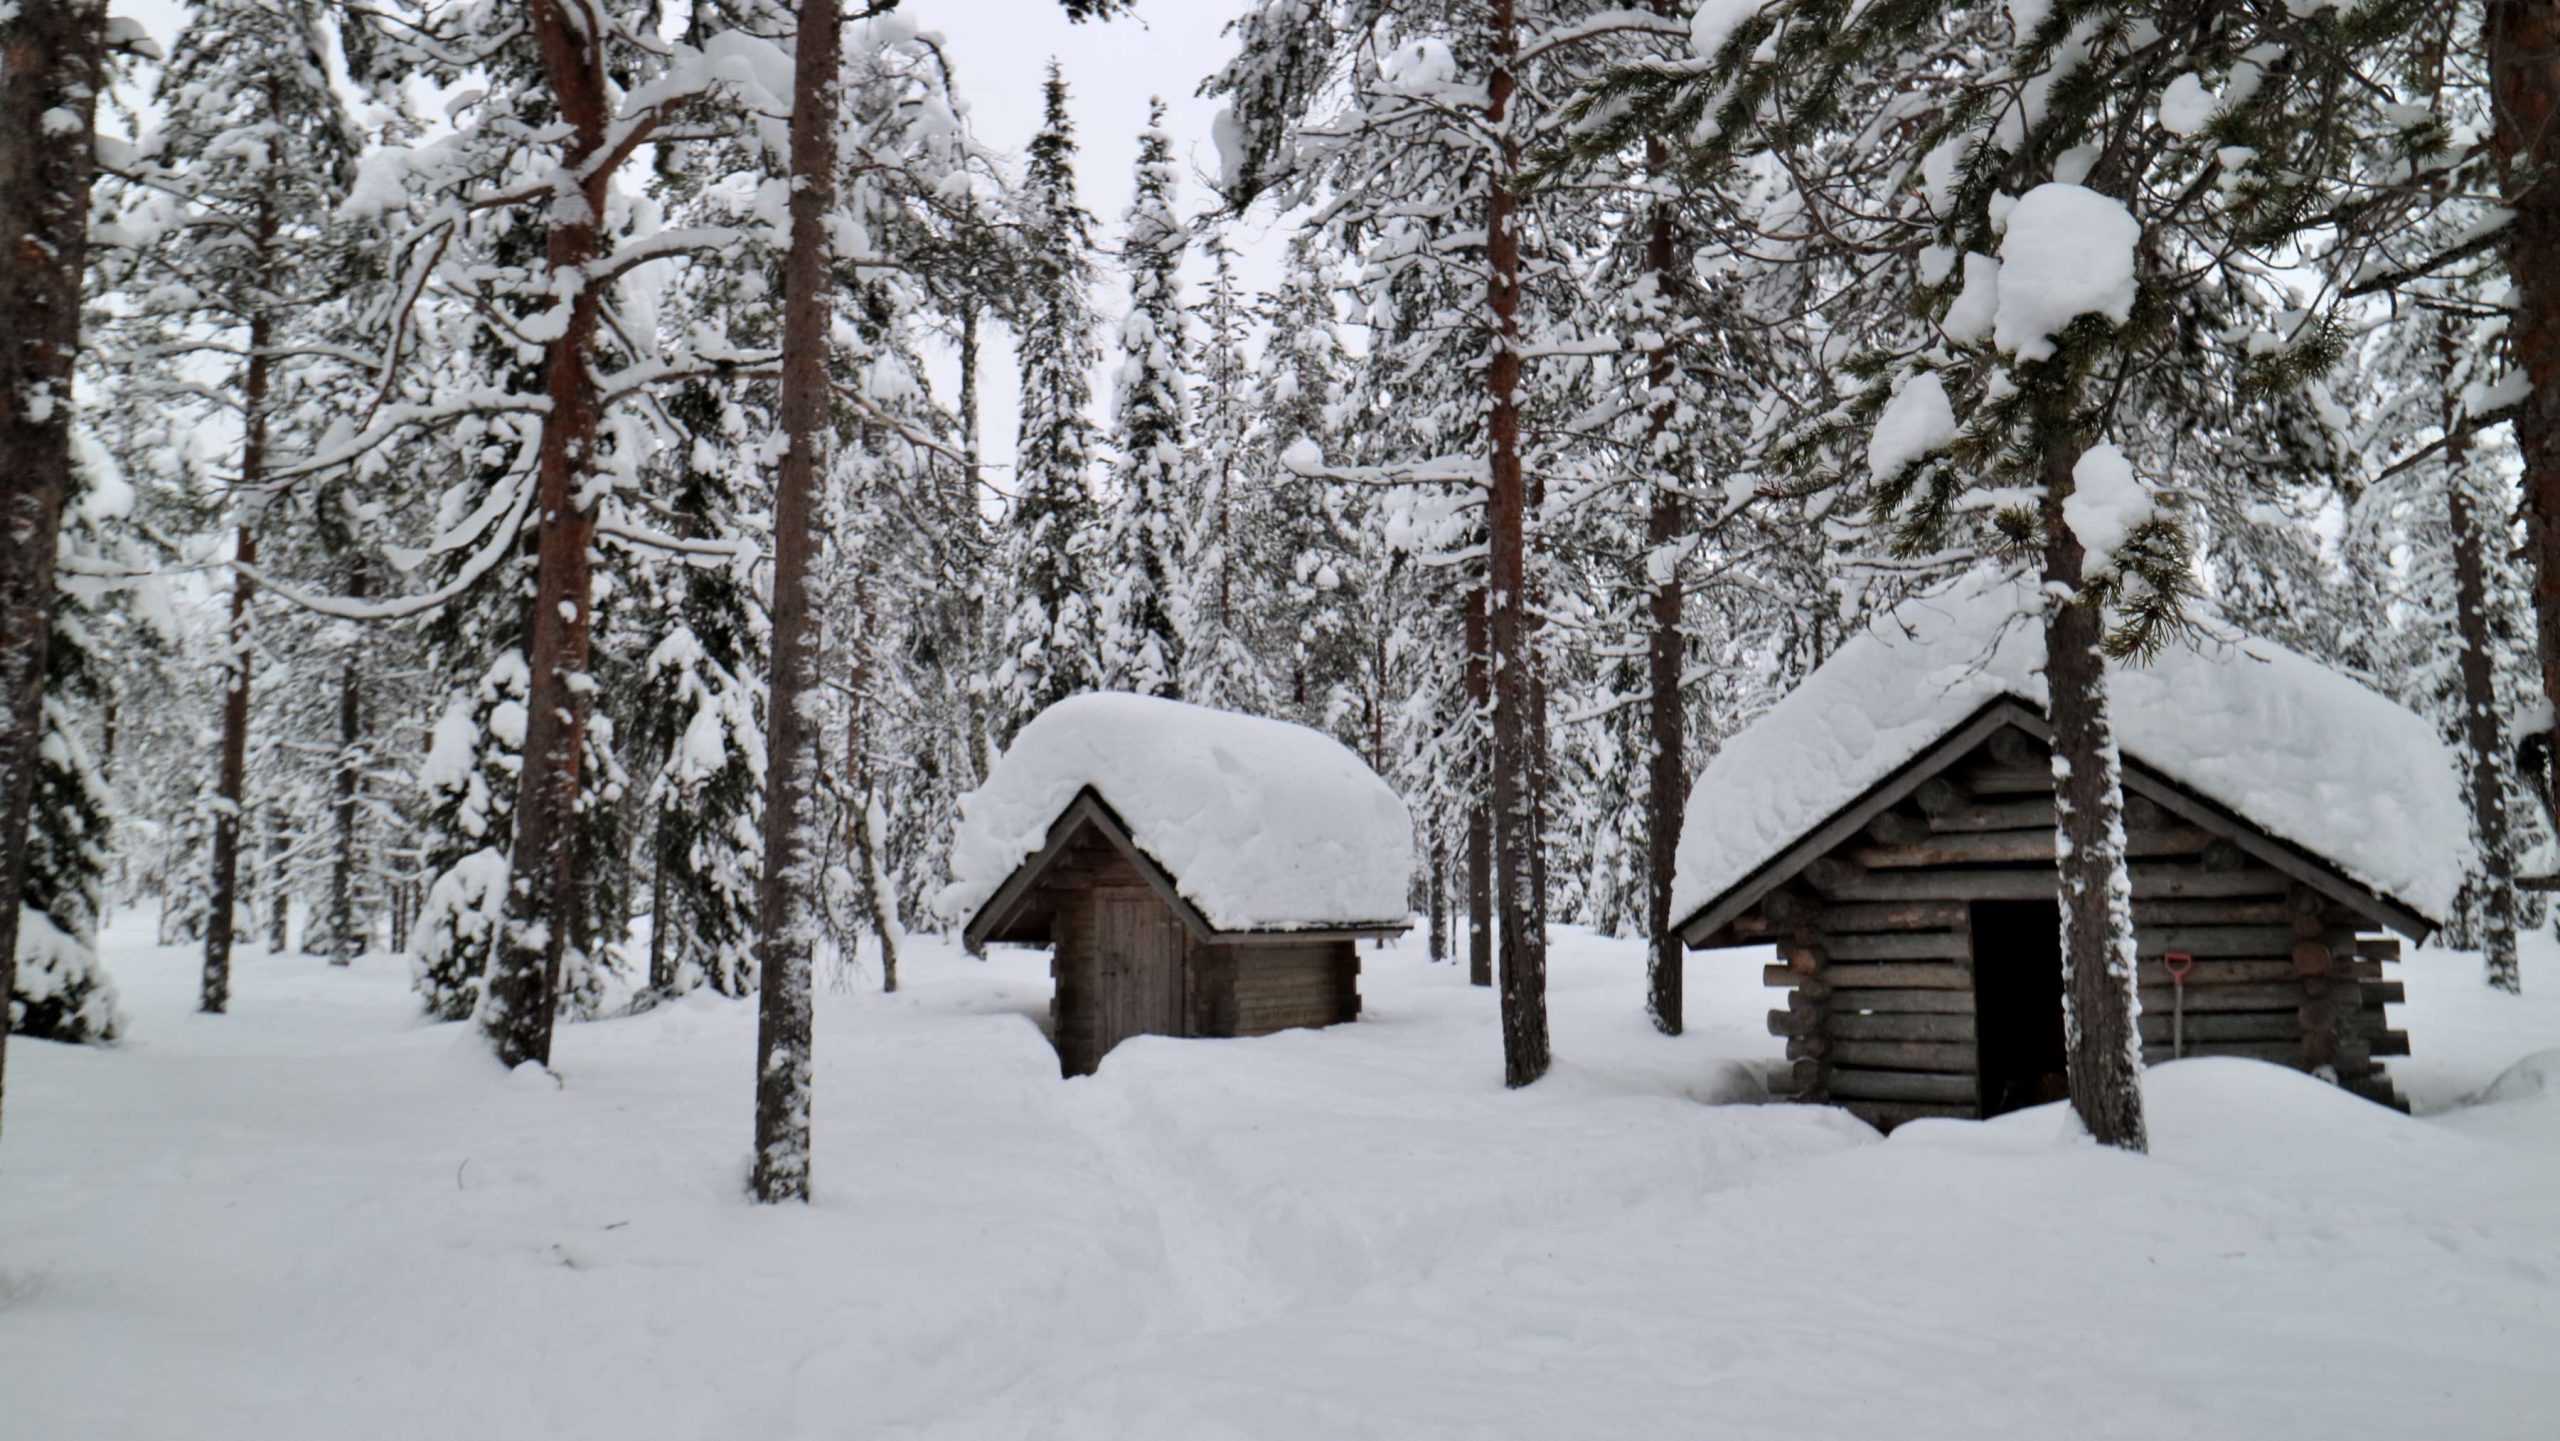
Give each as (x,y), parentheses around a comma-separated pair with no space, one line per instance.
(524,968)
(52,61)
(1522,941)
(783,1018)
(2096,891)
(2524,83)
(2483,736)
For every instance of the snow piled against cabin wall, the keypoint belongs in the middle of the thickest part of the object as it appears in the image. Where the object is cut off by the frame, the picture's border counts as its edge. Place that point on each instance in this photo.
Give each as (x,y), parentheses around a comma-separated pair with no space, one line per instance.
(2301,751)
(1262,824)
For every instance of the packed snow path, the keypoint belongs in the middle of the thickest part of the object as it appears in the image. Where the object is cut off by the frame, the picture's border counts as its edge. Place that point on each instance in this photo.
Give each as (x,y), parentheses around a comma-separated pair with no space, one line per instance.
(317,1218)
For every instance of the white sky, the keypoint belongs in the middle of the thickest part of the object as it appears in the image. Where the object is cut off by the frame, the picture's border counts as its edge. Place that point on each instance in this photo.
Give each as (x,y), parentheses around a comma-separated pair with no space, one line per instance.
(1000,48)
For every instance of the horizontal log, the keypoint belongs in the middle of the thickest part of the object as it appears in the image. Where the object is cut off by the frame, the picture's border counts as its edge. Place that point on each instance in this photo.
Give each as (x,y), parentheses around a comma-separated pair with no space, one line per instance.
(1783,976)
(1998,780)
(1794,1023)
(2017,885)
(2013,747)
(2225,1026)
(1912,975)
(1815,1045)
(2028,815)
(2378,948)
(2281,1053)
(2222,973)
(1970,848)
(1885,1115)
(1934,1056)
(2202,941)
(2211,911)
(1938,796)
(2384,993)
(1901,946)
(1897,828)
(1849,918)
(1854,1025)
(2388,1043)
(1833,873)
(2311,958)
(1856,1085)
(2275,997)
(1904,1002)
(2162,882)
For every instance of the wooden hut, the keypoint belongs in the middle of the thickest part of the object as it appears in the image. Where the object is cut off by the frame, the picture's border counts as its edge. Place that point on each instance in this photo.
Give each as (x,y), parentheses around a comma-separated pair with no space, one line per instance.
(2280,821)
(1208,874)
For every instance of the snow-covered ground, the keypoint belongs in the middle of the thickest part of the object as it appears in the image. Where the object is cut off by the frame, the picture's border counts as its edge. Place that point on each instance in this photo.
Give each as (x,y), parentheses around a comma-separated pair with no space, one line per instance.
(317,1218)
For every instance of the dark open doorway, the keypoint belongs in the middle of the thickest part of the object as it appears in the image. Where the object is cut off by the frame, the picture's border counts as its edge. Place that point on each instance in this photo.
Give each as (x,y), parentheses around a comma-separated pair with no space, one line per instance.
(2017,1004)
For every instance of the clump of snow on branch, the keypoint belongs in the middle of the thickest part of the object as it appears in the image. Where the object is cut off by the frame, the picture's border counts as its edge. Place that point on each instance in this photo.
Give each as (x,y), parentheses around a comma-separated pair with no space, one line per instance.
(2068,253)
(1915,422)
(2107,501)
(1262,824)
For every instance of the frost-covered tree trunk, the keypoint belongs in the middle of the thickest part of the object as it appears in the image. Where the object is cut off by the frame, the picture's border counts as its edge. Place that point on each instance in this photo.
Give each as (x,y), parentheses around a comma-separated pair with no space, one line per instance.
(2102,1043)
(231,783)
(344,940)
(52,69)
(784,912)
(542,876)
(2524,81)
(2483,737)
(1479,672)
(1515,733)
(1666,653)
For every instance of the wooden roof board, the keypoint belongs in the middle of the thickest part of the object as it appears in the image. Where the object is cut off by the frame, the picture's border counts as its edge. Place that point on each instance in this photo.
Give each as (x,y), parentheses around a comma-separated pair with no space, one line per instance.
(2139,778)
(1089,809)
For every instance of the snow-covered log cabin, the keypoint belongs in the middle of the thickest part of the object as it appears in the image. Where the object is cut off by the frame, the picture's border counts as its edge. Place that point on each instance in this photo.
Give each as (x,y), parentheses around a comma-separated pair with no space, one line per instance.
(1195,872)
(1889,827)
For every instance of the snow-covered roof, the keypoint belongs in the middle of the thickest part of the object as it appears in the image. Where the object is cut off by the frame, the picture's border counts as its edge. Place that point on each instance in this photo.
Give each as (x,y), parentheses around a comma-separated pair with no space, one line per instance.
(2295,748)
(1261,824)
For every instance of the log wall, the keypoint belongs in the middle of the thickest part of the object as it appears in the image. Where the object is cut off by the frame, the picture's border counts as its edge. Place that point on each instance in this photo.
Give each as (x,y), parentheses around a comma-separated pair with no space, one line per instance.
(1876,955)
(1230,988)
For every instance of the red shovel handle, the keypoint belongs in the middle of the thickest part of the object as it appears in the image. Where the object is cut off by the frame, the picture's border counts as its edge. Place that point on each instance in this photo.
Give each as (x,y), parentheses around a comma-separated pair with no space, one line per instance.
(2178,964)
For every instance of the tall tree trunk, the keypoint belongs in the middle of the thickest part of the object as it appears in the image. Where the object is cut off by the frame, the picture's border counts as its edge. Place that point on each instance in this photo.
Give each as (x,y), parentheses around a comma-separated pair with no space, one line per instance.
(2524,85)
(2103,1046)
(1515,732)
(52,64)
(516,1009)
(232,770)
(1436,897)
(1666,652)
(783,1014)
(343,939)
(279,895)
(1479,680)
(2483,735)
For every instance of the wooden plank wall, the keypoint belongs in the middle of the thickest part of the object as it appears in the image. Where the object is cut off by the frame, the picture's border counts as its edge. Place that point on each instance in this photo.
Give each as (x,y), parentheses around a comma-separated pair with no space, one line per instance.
(1282,984)
(1877,958)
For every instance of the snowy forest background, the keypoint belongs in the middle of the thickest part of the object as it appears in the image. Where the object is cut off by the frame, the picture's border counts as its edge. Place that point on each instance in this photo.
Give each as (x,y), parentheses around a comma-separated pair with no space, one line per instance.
(1682,311)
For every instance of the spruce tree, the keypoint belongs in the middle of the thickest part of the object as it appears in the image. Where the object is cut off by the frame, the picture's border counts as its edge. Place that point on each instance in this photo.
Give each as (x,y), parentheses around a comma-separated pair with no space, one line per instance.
(1049,639)
(1152,507)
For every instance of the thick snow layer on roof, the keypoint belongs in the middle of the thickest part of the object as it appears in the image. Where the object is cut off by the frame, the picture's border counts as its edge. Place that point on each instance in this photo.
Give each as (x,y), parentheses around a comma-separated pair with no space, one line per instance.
(1262,824)
(2303,752)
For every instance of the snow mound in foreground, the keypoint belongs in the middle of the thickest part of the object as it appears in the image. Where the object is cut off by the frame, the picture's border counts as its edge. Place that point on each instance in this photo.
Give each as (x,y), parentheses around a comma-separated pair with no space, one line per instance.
(2532,1078)
(1262,824)
(2299,750)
